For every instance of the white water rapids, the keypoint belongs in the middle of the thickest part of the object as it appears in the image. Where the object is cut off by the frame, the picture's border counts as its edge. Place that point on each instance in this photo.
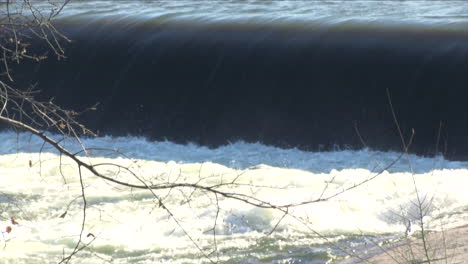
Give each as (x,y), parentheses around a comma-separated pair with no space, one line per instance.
(131,227)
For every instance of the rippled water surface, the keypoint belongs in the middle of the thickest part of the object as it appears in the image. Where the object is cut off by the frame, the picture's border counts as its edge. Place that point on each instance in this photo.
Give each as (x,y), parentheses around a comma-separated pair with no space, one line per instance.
(421,11)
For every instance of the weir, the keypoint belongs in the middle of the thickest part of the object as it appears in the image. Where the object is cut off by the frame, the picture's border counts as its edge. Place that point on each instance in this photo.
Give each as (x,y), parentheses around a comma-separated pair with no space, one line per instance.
(313,86)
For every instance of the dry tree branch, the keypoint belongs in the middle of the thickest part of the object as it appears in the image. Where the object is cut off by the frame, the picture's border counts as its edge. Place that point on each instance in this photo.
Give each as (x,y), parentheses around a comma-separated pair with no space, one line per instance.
(21,110)
(63,121)
(419,248)
(23,21)
(214,189)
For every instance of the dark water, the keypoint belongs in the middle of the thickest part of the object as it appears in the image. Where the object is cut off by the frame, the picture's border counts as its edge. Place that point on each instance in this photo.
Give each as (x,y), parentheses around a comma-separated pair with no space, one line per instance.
(288,79)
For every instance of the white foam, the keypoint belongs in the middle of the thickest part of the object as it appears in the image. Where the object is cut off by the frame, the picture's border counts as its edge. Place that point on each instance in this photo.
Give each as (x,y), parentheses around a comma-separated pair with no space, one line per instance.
(128,222)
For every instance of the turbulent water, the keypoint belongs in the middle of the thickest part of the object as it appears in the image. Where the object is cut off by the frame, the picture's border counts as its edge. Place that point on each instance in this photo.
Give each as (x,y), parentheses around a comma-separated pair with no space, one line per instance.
(131,228)
(41,189)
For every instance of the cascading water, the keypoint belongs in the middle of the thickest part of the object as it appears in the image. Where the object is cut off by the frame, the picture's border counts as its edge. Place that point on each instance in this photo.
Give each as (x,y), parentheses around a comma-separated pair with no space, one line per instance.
(292,95)
(317,77)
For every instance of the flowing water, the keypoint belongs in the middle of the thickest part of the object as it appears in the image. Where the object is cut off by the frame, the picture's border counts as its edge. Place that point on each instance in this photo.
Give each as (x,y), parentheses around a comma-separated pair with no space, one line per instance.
(131,227)
(41,189)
